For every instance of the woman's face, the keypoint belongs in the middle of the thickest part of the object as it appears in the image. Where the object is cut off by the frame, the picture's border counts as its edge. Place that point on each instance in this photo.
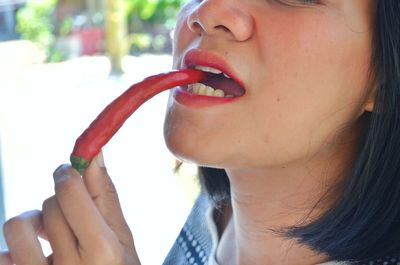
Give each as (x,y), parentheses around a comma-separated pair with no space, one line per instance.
(304,67)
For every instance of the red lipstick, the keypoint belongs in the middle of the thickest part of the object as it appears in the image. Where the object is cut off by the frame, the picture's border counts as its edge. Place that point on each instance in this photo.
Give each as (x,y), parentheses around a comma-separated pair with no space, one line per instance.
(206,58)
(198,57)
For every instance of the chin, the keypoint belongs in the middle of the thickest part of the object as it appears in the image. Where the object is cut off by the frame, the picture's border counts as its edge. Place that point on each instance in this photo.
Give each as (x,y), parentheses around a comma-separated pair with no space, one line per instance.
(185,147)
(185,137)
(181,144)
(188,150)
(198,137)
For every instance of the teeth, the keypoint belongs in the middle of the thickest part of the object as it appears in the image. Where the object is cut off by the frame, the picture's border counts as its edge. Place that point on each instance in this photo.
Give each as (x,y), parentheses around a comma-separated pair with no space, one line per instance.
(219,93)
(196,89)
(208,69)
(201,89)
(209,91)
(227,76)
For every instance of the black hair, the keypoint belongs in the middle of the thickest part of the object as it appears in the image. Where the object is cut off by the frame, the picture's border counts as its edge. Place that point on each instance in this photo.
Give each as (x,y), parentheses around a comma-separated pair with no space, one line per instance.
(364,222)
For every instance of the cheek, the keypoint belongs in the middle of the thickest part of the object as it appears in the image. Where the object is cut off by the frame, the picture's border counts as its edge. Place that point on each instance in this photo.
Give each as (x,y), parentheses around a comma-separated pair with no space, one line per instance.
(322,61)
(295,131)
(309,97)
(321,47)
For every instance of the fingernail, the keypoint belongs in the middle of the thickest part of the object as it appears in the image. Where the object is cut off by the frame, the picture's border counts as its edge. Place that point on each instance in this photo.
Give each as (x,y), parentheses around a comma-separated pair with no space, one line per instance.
(59,173)
(100,160)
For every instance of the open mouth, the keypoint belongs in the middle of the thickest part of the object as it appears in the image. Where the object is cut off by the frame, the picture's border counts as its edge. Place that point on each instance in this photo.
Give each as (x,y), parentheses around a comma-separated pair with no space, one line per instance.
(217,84)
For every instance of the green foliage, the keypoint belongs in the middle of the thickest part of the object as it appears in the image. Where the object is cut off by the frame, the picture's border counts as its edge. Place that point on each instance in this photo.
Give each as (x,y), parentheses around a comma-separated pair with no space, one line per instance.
(66,26)
(153,11)
(145,42)
(140,40)
(34,22)
(150,23)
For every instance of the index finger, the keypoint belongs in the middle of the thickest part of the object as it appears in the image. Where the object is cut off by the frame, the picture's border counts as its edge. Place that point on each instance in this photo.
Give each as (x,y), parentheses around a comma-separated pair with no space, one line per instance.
(79,209)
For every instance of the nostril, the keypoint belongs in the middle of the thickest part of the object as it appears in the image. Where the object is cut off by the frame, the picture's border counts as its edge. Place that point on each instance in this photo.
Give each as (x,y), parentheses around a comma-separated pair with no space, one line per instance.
(222,27)
(199,28)
(195,26)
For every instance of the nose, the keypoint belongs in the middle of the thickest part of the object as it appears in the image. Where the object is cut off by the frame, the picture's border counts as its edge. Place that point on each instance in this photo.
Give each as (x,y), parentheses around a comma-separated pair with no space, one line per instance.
(221,18)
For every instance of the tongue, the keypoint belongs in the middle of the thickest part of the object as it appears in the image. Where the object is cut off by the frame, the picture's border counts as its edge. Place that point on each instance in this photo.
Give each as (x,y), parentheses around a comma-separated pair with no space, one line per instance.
(230,87)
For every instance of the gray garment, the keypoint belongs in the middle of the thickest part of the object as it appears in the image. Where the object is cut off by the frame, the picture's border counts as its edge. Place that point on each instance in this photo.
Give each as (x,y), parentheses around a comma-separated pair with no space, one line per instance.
(194,243)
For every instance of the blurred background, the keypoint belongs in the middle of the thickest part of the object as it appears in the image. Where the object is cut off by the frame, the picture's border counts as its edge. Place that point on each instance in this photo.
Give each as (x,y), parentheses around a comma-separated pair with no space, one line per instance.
(61,63)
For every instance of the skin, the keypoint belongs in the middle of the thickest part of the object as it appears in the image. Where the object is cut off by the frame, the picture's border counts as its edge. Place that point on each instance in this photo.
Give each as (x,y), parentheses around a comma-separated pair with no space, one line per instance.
(294,134)
(284,144)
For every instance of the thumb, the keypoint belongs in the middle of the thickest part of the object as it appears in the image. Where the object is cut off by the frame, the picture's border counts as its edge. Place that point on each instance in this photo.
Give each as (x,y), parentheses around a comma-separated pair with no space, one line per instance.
(105,197)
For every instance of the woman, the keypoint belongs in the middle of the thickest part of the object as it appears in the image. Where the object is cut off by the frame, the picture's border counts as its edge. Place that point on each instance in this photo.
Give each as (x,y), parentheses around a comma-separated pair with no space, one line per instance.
(297,144)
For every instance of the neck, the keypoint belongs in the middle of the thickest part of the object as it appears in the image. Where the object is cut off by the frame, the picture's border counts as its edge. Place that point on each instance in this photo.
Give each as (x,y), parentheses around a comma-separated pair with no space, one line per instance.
(278,198)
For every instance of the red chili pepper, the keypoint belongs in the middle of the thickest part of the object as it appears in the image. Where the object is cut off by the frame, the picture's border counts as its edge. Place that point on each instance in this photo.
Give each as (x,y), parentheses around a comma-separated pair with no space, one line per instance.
(107,123)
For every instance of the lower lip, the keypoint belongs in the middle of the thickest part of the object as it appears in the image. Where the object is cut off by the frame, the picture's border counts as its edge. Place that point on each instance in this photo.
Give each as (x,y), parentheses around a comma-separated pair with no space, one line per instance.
(190,100)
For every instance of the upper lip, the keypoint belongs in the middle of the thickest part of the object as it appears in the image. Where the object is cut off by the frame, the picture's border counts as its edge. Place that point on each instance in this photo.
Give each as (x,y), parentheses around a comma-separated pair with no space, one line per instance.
(196,57)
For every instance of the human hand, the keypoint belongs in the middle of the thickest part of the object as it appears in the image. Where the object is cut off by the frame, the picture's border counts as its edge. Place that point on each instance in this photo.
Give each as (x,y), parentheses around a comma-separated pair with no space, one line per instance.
(83,222)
